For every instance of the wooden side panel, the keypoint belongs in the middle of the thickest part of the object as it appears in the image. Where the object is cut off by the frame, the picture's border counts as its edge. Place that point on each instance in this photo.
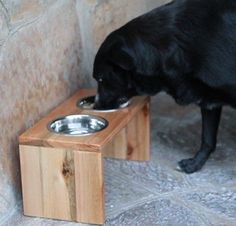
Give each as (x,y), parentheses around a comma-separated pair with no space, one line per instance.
(89,187)
(133,142)
(32,190)
(138,136)
(48,182)
(117,147)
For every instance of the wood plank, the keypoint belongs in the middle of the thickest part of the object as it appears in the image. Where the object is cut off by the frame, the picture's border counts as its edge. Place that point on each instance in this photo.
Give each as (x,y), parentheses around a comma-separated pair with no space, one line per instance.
(48,182)
(132,142)
(39,135)
(138,136)
(89,187)
(117,148)
(31,181)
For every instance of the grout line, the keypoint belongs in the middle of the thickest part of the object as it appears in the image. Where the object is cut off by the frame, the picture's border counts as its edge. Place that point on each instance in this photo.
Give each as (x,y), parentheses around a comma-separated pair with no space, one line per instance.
(133,204)
(6,15)
(197,208)
(13,211)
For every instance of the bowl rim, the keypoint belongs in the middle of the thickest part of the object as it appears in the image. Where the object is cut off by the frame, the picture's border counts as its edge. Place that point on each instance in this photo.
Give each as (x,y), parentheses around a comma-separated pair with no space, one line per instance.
(102,111)
(99,118)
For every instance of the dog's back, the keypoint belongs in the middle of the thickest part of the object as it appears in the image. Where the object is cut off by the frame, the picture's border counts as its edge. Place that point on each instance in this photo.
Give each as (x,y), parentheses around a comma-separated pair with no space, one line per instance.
(206,32)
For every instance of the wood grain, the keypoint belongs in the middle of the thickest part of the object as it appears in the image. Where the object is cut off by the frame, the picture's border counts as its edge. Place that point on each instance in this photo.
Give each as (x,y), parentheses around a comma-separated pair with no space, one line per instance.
(117,148)
(89,187)
(138,136)
(62,176)
(48,182)
(62,184)
(132,142)
(39,135)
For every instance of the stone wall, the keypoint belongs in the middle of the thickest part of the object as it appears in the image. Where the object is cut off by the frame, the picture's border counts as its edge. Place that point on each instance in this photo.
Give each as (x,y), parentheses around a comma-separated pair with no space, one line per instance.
(99,17)
(39,68)
(46,53)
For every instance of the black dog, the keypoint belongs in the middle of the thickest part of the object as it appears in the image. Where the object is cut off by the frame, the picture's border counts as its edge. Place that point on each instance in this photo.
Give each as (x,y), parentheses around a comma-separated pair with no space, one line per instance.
(186,48)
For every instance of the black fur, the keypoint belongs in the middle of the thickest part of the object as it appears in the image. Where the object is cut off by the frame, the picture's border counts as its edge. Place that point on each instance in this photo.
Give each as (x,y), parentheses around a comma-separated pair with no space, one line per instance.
(186,48)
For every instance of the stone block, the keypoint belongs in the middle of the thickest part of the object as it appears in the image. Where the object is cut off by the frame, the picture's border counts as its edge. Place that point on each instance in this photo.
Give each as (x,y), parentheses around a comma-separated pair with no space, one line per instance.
(20,11)
(100,17)
(4,24)
(39,67)
(159,212)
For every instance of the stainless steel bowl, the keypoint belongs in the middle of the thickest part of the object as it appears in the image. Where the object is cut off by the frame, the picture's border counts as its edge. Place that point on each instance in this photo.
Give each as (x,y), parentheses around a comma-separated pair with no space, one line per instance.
(78,125)
(87,103)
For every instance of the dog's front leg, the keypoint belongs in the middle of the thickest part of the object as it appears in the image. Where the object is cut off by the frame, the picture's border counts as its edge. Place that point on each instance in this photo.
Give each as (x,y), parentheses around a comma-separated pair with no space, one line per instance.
(210,125)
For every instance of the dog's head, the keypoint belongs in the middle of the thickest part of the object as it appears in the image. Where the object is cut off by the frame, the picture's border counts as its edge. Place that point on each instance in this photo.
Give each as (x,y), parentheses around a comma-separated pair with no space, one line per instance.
(127,64)
(113,68)
(140,58)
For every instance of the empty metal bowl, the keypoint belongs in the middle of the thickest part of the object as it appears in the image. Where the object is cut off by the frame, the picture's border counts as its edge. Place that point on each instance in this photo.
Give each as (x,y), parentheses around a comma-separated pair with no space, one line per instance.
(78,125)
(87,103)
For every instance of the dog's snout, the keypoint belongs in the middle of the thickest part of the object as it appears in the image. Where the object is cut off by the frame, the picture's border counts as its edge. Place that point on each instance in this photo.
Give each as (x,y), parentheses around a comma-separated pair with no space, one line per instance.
(97,104)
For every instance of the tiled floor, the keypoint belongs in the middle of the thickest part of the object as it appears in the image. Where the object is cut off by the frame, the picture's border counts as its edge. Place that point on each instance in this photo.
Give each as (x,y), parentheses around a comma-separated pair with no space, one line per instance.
(154,193)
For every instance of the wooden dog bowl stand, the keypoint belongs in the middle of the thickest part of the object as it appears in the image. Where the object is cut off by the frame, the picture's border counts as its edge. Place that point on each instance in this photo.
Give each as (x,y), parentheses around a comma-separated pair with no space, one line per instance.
(62,176)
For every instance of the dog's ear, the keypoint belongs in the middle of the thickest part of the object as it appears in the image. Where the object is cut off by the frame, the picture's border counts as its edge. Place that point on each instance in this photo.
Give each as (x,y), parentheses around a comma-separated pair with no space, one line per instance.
(122,59)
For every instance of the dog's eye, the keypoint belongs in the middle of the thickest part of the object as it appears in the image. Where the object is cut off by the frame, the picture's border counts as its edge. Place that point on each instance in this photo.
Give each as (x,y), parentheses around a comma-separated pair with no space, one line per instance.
(100,80)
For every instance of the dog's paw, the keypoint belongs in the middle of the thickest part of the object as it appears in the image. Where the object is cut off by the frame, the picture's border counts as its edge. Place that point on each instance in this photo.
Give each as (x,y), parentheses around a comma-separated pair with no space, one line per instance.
(188,166)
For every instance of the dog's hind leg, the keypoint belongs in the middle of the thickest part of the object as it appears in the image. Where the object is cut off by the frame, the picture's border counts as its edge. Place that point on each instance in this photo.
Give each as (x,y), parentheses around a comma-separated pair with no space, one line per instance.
(210,125)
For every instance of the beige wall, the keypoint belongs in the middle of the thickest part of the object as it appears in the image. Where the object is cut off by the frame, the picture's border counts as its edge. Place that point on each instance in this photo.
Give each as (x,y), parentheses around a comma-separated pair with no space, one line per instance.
(99,17)
(39,67)
(46,53)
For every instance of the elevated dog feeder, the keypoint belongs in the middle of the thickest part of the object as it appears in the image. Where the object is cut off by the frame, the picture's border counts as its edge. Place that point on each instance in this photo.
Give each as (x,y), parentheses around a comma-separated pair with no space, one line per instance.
(62,157)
